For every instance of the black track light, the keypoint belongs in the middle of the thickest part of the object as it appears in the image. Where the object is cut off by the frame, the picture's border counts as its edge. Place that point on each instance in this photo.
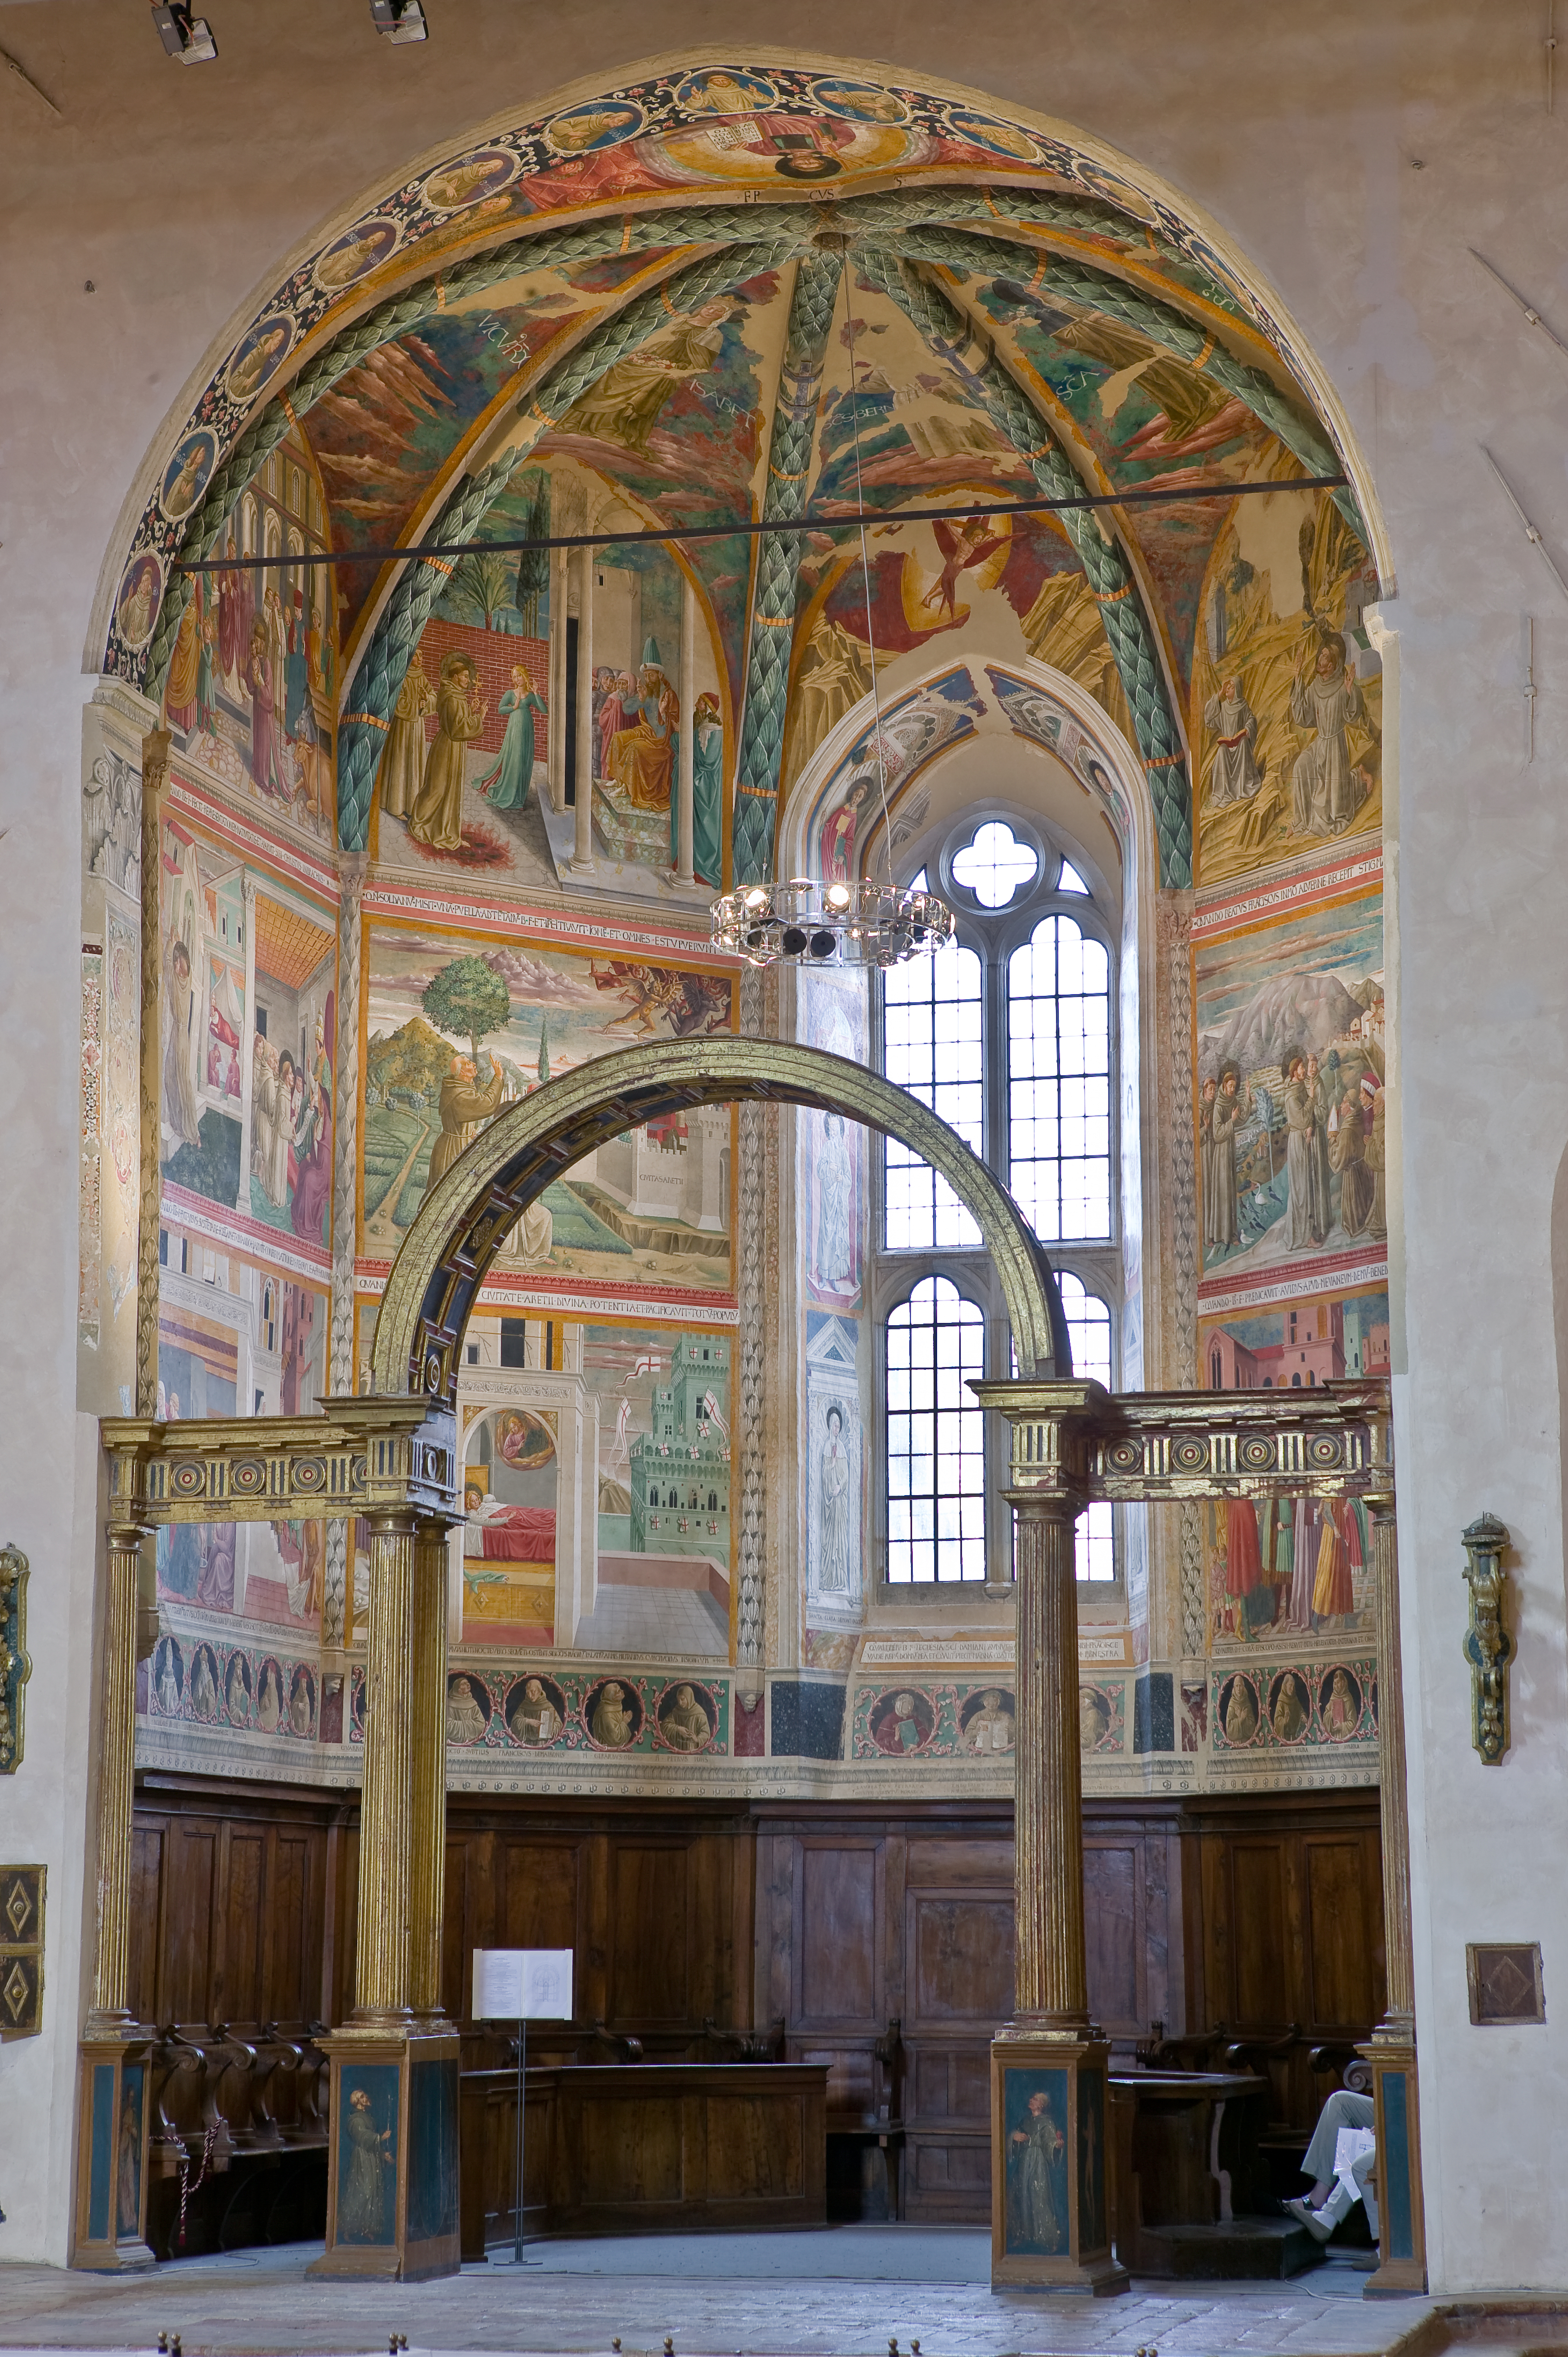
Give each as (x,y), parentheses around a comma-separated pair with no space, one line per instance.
(399,20)
(186,38)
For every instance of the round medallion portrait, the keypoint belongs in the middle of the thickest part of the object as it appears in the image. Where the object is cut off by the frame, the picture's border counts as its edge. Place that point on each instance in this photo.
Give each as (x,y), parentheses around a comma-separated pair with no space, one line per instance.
(724,90)
(686,1717)
(987,1723)
(237,1704)
(1290,1707)
(525,1441)
(1097,1728)
(260,357)
(902,1721)
(141,594)
(272,1705)
(1340,1704)
(997,138)
(605,124)
(356,254)
(612,1715)
(484,174)
(301,1715)
(861,101)
(168,1678)
(188,473)
(535,1711)
(468,1707)
(1238,1714)
(203,1683)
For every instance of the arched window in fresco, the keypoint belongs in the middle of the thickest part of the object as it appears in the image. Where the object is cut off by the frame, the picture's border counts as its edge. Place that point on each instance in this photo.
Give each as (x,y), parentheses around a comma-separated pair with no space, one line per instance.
(936,1438)
(1009,1034)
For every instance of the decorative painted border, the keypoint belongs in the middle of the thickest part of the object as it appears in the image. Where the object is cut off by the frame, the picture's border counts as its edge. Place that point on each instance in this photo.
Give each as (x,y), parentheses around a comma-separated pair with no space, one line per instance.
(944,1715)
(573,1697)
(1263,1681)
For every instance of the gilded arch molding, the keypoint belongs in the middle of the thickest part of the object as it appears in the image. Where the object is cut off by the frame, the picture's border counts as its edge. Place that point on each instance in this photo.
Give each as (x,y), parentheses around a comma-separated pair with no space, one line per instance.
(465,1219)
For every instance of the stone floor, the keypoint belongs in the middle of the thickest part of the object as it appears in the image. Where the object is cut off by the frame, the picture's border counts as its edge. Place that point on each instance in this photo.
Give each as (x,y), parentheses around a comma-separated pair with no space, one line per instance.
(840,2292)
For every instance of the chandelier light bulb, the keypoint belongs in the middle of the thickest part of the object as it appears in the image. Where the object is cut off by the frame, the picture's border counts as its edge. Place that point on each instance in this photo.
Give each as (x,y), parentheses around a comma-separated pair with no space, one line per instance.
(806,923)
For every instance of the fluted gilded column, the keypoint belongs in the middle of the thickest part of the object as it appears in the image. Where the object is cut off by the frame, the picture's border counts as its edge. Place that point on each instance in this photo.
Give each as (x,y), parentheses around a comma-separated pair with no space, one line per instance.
(1401,2219)
(427,1747)
(395,2061)
(382,1960)
(111,2205)
(1052,1984)
(1399,2013)
(583,845)
(1049,2066)
(110,2013)
(155,777)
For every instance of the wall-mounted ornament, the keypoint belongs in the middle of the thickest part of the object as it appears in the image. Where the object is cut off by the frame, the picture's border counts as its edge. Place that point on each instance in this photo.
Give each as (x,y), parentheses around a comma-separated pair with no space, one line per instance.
(1488,1648)
(1505,1983)
(21,1950)
(15,1666)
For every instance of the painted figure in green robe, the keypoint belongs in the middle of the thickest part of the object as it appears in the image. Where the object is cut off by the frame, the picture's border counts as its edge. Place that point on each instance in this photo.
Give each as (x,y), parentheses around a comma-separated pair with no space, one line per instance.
(506,787)
(362,2195)
(1037,2181)
(707,796)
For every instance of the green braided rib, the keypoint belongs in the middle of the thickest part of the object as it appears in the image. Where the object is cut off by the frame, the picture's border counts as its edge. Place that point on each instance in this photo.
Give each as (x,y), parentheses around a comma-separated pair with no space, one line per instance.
(558,250)
(381,671)
(1163,325)
(777,566)
(900,207)
(1110,578)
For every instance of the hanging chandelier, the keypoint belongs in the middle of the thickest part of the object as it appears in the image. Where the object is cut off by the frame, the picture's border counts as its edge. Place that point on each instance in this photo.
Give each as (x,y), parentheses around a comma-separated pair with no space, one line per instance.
(803,924)
(855,923)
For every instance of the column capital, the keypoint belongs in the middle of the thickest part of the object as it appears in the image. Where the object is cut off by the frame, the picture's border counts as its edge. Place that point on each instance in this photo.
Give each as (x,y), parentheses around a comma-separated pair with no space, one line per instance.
(156,749)
(1053,1424)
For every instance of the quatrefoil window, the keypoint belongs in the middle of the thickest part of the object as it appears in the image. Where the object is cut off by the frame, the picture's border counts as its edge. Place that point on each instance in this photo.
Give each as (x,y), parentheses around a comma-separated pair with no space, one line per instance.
(994,865)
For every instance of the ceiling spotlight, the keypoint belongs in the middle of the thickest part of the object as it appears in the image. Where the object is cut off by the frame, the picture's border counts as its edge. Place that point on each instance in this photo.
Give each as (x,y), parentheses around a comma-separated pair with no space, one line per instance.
(399,20)
(185,36)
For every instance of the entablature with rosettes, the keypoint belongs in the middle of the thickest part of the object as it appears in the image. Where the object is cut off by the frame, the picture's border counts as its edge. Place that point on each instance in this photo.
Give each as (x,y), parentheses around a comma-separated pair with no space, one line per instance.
(356,1457)
(1135,1446)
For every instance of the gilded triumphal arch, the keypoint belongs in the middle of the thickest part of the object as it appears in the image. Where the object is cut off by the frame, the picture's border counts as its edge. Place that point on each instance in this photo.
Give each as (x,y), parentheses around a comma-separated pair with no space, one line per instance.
(390,1458)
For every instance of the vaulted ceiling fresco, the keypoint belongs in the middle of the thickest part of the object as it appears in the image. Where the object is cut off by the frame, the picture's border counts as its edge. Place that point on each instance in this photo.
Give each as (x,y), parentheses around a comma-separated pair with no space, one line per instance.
(757,292)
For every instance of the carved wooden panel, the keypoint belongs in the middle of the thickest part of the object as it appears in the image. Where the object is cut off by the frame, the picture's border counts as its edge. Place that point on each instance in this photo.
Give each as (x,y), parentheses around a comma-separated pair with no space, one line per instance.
(1113,1914)
(837,1935)
(648,1933)
(961,1945)
(1343,1971)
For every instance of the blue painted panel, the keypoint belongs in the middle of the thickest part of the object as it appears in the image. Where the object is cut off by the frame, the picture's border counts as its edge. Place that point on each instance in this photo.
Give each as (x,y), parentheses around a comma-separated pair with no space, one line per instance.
(1034,2109)
(366,2153)
(1399,2226)
(128,2179)
(101,2175)
(1092,2231)
(432,2150)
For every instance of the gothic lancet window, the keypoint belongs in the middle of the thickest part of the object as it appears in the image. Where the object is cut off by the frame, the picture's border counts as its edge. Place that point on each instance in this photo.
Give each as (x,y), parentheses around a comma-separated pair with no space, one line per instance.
(1009,1034)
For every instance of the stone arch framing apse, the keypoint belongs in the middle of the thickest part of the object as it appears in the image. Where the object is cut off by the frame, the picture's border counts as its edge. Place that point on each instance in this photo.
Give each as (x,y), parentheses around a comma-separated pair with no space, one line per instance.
(460,1226)
(898,237)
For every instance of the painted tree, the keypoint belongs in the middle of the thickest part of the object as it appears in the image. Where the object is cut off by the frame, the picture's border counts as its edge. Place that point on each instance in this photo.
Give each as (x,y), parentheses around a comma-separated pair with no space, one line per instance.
(483,585)
(467,997)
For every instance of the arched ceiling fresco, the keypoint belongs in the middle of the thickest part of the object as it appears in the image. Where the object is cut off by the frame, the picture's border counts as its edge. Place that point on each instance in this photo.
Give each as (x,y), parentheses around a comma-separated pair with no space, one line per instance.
(687,294)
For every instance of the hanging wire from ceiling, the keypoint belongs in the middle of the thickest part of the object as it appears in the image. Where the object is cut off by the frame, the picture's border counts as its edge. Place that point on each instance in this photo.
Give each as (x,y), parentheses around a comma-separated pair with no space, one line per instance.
(855,923)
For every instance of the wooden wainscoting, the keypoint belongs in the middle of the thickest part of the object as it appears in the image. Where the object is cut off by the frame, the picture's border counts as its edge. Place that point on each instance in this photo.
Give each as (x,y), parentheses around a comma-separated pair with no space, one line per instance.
(875,1940)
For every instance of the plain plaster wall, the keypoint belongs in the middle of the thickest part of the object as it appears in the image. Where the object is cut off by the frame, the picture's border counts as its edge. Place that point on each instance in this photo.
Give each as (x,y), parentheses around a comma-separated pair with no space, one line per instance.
(1354,155)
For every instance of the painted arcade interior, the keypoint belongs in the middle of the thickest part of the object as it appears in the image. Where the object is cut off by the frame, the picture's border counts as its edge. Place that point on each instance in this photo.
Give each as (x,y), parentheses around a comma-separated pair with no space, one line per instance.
(733,1581)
